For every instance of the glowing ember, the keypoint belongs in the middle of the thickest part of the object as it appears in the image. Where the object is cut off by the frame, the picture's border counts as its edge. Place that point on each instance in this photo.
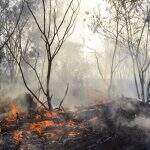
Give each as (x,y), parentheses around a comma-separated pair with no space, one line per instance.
(51,114)
(73,134)
(71,124)
(93,120)
(45,124)
(41,126)
(18,136)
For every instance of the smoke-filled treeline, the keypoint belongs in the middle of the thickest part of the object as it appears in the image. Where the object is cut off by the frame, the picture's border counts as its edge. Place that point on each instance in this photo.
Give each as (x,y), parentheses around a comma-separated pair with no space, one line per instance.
(125,24)
(31,45)
(38,56)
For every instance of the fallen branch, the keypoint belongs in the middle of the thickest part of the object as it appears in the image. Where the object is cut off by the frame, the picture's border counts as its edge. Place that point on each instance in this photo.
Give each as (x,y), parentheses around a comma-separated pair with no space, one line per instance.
(61,102)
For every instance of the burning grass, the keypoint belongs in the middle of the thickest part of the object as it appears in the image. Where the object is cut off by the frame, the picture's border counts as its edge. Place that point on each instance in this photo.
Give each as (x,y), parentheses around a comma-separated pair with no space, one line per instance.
(39,127)
(85,129)
(13,113)
(43,124)
(18,136)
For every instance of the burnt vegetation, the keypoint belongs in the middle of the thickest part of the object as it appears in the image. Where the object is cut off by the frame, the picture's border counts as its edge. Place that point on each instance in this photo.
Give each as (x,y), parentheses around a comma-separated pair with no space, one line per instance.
(33,34)
(101,126)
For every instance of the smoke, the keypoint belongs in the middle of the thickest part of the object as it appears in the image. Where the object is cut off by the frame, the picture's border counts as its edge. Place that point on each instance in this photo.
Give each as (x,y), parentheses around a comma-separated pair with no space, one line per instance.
(76,64)
(142,122)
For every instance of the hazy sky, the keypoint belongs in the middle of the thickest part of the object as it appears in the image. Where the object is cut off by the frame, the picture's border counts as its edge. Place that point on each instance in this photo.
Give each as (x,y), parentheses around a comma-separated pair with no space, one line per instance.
(82,33)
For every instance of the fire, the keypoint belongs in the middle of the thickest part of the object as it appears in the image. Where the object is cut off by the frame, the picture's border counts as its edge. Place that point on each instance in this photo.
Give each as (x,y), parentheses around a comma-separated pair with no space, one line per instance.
(14,112)
(51,114)
(73,134)
(39,127)
(18,136)
(71,124)
(14,109)
(48,125)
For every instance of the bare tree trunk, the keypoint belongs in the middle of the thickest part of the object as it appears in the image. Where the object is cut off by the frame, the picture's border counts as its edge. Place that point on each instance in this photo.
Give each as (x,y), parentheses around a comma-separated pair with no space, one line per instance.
(53,39)
(49,59)
(142,87)
(135,80)
(113,58)
(48,84)
(148,92)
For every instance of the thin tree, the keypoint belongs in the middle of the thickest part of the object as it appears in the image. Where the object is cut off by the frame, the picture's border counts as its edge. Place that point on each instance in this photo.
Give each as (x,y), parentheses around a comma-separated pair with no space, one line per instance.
(54,31)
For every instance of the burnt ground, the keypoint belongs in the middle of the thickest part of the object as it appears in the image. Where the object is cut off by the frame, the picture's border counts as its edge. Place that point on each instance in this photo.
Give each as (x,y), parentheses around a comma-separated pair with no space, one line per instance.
(111,126)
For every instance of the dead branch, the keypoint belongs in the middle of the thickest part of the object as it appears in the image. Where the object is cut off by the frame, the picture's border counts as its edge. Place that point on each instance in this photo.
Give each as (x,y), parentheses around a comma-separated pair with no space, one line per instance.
(61,102)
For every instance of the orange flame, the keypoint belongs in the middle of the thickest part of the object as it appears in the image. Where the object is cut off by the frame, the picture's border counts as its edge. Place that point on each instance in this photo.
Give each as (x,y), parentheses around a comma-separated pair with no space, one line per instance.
(41,126)
(51,114)
(18,136)
(73,134)
(14,112)
(41,123)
